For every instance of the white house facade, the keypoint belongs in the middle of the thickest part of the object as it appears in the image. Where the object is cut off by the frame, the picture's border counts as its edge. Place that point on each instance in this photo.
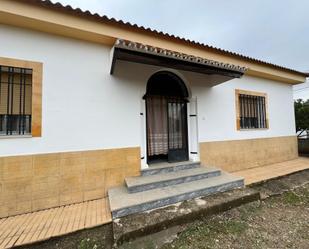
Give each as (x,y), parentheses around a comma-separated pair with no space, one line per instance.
(97,101)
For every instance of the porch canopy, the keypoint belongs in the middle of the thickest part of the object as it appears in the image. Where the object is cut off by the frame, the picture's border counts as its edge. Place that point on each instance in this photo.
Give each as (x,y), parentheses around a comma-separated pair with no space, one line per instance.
(140,53)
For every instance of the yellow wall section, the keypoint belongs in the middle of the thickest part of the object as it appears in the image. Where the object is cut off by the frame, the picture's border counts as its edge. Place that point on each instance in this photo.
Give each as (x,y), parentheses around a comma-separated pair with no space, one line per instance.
(62,23)
(36,182)
(249,153)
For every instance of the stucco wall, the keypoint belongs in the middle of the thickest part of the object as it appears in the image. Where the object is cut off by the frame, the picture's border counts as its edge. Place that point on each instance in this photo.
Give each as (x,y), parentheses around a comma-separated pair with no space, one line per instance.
(217,111)
(85,108)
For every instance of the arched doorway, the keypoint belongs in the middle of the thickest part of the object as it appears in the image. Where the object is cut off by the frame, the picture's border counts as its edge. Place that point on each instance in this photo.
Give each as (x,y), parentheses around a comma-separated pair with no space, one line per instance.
(166,118)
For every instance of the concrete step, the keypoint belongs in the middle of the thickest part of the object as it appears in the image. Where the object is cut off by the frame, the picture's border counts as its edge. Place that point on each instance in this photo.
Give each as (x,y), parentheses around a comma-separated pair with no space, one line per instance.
(144,183)
(123,203)
(162,168)
(133,226)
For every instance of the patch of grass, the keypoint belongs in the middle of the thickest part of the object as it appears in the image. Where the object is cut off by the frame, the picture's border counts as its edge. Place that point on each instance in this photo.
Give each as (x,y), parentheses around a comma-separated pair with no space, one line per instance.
(204,234)
(292,198)
(148,244)
(272,202)
(250,209)
(305,194)
(234,227)
(88,244)
(249,226)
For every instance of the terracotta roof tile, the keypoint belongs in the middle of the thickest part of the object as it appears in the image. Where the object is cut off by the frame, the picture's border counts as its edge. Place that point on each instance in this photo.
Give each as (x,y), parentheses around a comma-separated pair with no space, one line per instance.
(103,18)
(139,47)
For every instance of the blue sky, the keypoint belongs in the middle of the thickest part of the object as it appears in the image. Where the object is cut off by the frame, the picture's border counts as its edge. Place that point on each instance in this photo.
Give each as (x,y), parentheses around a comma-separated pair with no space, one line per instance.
(276,31)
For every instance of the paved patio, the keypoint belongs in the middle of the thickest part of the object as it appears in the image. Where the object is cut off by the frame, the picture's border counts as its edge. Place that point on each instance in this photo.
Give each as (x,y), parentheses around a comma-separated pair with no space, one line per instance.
(267,172)
(42,225)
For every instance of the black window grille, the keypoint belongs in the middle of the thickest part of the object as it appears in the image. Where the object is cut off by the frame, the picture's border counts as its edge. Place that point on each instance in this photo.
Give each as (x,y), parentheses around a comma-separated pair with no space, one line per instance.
(15,100)
(252,112)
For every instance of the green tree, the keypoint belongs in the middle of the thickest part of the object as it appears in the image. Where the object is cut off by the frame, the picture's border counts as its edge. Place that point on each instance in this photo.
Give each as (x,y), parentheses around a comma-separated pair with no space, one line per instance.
(302,115)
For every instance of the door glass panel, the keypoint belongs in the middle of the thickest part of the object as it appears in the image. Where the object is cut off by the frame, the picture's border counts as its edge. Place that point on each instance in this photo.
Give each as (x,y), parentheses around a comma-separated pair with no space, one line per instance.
(177,130)
(157,131)
(175,111)
(167,128)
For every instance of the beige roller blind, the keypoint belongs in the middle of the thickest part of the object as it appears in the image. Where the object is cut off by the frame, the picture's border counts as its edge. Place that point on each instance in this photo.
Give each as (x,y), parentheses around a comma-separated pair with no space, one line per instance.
(19,94)
(3,98)
(15,94)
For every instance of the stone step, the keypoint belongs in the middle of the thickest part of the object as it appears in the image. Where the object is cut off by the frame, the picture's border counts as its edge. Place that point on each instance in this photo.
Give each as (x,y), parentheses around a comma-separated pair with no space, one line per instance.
(144,183)
(162,168)
(123,203)
(130,227)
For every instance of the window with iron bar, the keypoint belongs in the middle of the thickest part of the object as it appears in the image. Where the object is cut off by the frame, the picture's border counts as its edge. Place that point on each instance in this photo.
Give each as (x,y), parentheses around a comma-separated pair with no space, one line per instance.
(251,110)
(15,100)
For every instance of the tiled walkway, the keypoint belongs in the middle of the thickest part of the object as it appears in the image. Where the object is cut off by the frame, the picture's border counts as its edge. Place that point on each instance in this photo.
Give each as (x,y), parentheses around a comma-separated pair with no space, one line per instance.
(258,174)
(41,225)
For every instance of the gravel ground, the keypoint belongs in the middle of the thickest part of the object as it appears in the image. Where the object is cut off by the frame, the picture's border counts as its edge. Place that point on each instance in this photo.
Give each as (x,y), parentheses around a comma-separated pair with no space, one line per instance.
(278,222)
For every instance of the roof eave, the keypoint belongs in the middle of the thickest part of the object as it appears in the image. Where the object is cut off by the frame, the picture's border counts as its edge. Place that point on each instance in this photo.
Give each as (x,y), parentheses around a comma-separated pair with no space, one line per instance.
(95,26)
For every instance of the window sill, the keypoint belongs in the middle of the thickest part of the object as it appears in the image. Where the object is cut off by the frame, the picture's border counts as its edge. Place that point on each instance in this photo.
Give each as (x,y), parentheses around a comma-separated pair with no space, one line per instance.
(254,129)
(14,136)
